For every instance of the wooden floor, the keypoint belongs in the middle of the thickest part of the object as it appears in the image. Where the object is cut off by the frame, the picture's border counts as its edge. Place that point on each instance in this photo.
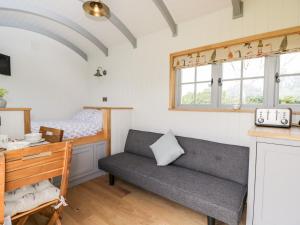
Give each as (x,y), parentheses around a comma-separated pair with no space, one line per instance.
(97,203)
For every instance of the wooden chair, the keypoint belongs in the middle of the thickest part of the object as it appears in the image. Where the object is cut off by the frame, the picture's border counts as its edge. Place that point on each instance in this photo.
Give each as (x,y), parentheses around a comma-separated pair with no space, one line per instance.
(51,135)
(32,165)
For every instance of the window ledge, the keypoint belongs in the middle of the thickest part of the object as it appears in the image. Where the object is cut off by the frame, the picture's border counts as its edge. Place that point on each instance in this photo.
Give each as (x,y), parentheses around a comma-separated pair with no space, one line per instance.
(219,110)
(213,110)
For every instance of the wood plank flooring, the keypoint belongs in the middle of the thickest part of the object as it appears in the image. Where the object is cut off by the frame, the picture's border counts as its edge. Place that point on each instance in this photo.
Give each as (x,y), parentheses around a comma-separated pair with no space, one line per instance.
(97,203)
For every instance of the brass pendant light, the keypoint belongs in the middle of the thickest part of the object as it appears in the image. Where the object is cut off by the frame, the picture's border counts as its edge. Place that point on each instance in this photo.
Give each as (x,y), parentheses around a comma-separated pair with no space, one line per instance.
(96,8)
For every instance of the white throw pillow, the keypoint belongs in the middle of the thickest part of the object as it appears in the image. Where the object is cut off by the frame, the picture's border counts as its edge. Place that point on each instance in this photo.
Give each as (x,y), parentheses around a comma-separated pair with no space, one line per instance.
(166,149)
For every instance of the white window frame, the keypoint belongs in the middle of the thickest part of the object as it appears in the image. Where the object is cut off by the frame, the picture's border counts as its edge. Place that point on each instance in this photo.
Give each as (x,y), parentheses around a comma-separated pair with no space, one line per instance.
(294,107)
(195,82)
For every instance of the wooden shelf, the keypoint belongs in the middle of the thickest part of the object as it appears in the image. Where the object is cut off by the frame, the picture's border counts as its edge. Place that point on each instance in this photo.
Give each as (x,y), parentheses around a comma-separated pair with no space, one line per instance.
(15,109)
(292,134)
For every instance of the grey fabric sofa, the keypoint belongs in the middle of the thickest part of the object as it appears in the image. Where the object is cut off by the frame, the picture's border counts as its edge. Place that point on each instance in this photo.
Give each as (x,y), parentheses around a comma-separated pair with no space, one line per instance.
(210,177)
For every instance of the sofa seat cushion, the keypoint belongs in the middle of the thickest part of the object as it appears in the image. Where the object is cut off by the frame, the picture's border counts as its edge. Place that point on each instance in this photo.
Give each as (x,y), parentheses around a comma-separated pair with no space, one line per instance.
(219,198)
(213,196)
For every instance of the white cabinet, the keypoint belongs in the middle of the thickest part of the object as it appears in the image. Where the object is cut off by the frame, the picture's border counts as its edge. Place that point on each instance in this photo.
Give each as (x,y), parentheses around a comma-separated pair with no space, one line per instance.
(274,181)
(15,122)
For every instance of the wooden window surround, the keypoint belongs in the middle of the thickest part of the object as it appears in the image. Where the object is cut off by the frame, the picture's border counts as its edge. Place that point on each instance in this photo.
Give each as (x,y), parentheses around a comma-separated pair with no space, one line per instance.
(173,56)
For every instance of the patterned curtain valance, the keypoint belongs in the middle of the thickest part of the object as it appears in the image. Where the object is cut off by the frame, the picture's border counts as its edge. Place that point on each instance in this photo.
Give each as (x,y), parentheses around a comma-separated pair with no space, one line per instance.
(251,49)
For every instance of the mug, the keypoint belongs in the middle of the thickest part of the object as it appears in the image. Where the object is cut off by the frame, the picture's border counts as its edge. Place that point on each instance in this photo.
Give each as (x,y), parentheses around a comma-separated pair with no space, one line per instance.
(3,140)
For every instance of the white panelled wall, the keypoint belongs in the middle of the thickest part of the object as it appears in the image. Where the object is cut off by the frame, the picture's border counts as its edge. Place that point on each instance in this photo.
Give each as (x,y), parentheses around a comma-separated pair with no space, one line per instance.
(56,82)
(140,77)
(46,76)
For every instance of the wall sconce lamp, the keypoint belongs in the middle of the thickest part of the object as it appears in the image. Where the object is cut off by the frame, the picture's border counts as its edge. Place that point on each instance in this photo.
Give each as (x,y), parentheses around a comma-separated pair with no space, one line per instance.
(100,72)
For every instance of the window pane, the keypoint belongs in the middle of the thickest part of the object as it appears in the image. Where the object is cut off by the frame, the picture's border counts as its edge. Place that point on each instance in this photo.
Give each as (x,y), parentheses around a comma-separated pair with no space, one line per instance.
(254,67)
(290,63)
(187,94)
(188,75)
(253,91)
(204,73)
(232,70)
(289,90)
(231,92)
(203,93)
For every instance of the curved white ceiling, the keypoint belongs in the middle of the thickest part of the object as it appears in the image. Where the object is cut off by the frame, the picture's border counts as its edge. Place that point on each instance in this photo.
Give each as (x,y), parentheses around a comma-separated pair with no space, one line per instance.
(141,17)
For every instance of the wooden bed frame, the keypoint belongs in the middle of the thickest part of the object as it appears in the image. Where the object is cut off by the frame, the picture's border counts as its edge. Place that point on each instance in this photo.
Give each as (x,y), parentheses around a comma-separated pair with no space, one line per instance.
(104,135)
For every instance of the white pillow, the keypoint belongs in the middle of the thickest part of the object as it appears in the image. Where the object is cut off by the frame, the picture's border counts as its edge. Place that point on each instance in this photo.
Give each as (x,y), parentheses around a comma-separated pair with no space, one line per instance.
(89,115)
(166,149)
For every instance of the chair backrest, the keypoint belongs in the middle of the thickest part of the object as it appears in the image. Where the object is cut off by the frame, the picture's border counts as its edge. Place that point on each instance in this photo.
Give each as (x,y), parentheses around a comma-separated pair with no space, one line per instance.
(32,165)
(51,135)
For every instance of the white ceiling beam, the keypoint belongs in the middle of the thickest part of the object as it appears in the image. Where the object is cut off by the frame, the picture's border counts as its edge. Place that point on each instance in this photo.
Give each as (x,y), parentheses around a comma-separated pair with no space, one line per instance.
(39,30)
(238,8)
(121,27)
(29,9)
(167,15)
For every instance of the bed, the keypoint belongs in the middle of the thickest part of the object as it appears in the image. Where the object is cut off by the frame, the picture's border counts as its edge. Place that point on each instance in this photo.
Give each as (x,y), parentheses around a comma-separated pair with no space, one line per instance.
(88,126)
(85,123)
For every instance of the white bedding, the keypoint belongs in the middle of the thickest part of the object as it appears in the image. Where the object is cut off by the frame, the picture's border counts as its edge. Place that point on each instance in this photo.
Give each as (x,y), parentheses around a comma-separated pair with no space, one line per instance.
(84,123)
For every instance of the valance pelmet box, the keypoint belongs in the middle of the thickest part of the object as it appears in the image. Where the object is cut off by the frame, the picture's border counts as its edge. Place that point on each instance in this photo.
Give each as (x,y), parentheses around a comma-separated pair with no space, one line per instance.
(239,49)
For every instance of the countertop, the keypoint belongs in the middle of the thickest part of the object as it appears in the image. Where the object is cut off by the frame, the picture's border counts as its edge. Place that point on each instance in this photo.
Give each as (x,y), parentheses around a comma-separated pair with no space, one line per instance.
(277,133)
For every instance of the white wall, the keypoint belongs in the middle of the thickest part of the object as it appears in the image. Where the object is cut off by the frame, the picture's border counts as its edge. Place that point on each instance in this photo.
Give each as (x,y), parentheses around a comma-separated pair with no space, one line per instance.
(46,75)
(140,77)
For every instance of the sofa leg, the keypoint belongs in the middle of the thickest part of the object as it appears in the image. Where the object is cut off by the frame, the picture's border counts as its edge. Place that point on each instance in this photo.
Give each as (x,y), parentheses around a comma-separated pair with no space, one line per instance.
(211,221)
(111,179)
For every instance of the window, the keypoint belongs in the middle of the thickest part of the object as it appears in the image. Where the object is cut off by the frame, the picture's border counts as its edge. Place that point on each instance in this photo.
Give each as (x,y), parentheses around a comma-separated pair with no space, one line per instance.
(288,79)
(256,71)
(195,85)
(242,83)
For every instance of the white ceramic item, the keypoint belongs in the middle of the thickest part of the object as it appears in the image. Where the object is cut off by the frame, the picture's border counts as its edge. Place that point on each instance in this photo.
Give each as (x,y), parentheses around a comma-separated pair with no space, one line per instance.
(3,140)
(33,137)
(236,106)
(17,145)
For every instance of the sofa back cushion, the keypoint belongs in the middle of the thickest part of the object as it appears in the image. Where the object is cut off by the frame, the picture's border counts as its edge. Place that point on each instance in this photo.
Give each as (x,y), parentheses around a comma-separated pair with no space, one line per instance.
(138,142)
(225,161)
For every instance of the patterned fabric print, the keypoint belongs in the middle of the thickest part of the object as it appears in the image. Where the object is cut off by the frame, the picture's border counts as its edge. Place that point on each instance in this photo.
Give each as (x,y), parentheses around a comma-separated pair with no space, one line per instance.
(89,115)
(253,49)
(29,197)
(86,122)
(72,128)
